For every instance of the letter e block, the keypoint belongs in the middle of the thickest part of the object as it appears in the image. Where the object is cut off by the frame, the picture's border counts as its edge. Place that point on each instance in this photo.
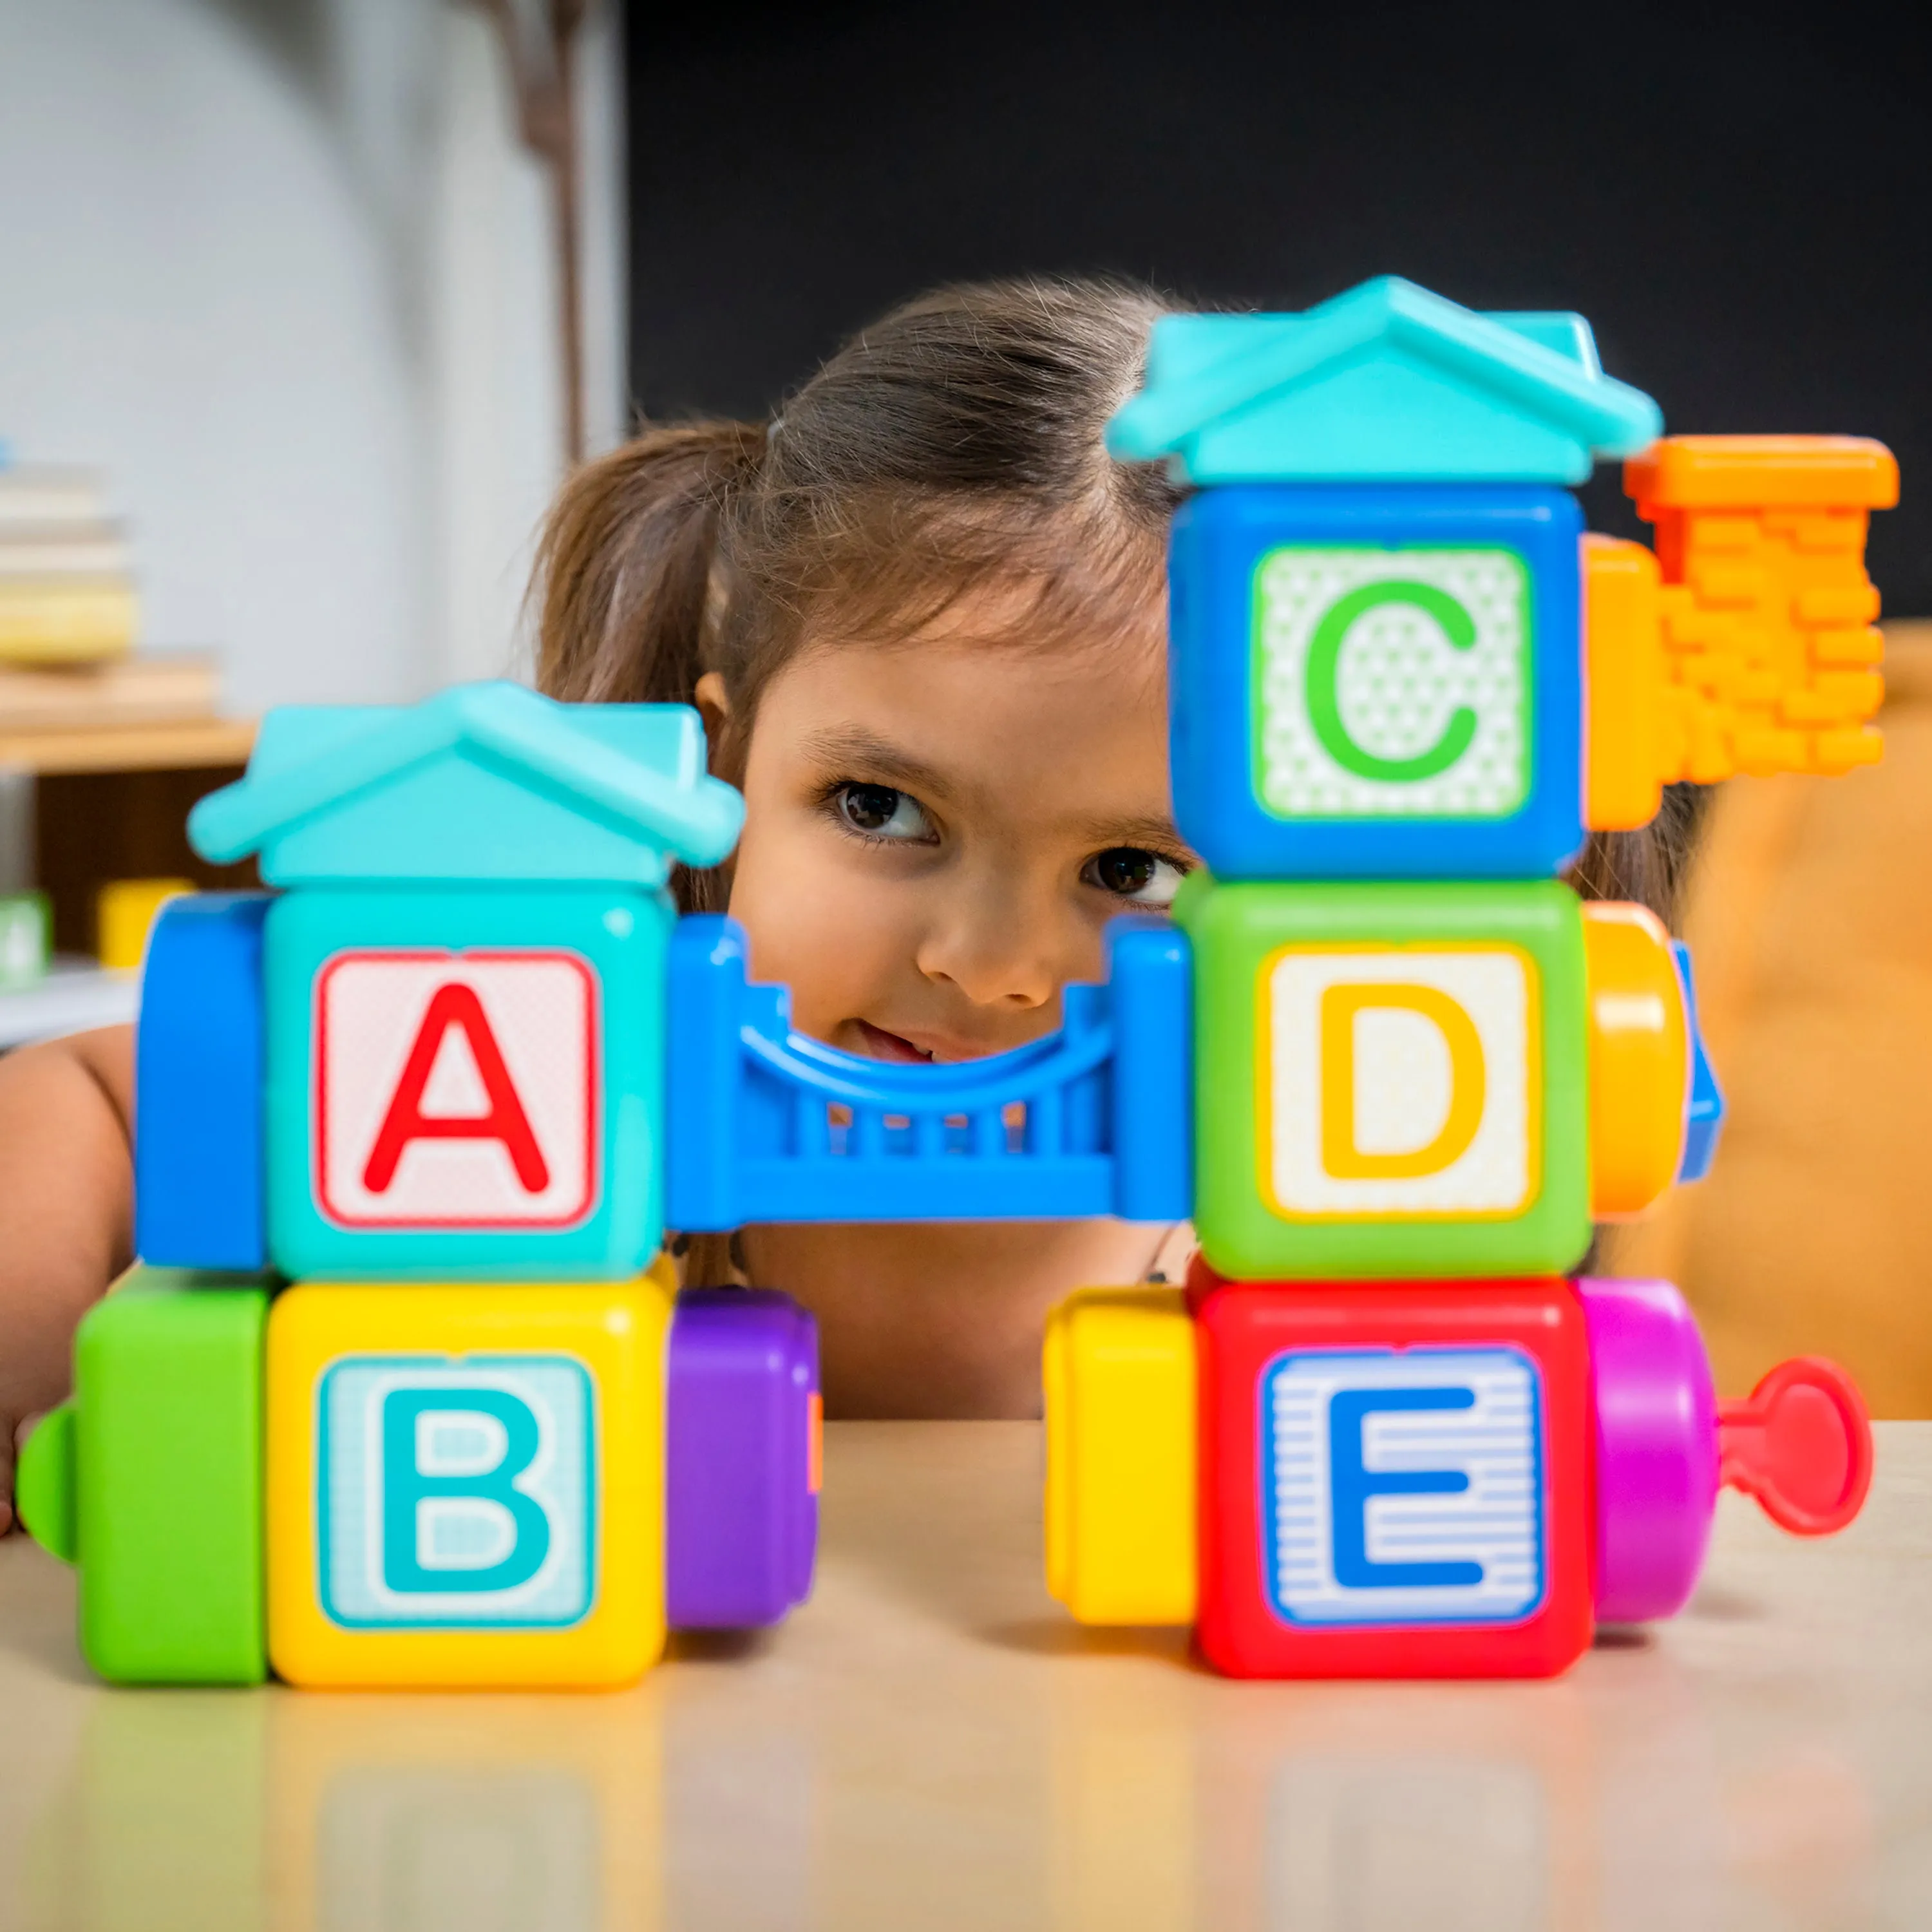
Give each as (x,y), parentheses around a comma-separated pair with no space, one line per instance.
(1395,1481)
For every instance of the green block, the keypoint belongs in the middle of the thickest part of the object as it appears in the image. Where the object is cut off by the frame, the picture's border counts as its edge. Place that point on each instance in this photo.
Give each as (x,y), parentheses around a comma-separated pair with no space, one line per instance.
(1391,1079)
(26,943)
(151,1477)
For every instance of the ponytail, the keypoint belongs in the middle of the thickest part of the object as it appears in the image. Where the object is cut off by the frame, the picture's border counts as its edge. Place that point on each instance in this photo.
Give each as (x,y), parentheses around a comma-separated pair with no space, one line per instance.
(625,566)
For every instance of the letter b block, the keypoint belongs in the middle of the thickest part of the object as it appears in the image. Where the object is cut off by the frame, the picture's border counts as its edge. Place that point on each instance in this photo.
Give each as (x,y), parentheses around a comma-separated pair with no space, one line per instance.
(1391,1079)
(1395,1480)
(466,1483)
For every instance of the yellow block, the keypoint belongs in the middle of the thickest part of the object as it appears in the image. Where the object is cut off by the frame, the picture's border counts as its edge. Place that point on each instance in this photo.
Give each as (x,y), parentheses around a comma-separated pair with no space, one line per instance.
(1623,673)
(1120,1451)
(466,1483)
(124,911)
(1640,1059)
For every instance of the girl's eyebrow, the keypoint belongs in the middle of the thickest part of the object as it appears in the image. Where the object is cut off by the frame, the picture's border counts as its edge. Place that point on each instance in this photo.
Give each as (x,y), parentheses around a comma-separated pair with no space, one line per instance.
(1143,831)
(839,746)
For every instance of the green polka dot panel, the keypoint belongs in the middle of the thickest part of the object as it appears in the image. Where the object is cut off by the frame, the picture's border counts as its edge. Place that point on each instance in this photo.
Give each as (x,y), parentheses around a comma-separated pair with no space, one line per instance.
(1392,683)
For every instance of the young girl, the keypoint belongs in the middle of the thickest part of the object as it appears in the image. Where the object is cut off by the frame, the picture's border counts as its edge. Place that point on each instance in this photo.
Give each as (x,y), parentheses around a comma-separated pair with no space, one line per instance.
(923,615)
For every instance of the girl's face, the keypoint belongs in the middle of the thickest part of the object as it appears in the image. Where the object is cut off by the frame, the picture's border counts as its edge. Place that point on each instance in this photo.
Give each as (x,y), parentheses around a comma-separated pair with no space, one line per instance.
(936,834)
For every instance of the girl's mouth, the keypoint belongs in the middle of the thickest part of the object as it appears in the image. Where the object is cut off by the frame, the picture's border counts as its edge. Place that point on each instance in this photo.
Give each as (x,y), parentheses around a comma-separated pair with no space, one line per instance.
(877,1044)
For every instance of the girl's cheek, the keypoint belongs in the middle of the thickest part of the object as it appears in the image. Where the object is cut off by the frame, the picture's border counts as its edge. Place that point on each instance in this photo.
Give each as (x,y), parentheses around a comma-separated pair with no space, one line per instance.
(837,937)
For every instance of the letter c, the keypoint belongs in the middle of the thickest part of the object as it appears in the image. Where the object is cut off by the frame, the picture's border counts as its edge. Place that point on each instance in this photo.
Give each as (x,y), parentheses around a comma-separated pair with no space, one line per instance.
(1325,657)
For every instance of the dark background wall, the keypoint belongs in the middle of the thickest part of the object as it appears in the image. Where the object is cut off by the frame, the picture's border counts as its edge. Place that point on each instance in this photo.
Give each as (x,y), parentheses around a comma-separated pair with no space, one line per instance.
(1738,197)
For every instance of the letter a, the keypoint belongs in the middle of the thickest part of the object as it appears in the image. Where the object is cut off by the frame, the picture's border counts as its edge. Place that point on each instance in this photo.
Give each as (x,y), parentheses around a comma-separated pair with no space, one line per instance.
(456,1005)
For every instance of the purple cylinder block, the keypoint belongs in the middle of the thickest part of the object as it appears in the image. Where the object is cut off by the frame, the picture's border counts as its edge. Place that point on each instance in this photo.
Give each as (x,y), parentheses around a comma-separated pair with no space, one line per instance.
(741,1502)
(1657,1447)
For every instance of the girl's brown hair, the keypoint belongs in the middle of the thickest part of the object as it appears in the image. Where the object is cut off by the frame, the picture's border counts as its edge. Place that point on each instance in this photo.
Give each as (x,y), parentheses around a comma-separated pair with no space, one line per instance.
(954,447)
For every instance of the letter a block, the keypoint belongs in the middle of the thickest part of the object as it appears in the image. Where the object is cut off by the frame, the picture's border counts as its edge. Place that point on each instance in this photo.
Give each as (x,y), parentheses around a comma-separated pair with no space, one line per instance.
(1395,1479)
(465,1083)
(466,1483)
(1377,681)
(1390,1080)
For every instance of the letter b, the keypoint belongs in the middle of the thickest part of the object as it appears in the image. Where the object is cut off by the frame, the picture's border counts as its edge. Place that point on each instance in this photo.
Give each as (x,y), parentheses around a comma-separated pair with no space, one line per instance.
(415,1497)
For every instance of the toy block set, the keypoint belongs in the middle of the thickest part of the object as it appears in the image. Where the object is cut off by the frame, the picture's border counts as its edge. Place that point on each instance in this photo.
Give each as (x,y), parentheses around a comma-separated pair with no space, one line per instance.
(403,1393)
(1396,1434)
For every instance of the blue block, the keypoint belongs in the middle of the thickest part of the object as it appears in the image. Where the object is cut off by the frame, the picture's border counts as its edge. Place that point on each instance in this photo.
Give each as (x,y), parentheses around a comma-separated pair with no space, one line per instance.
(465,1082)
(1386,382)
(1378,682)
(199,1168)
(765,1125)
(1704,1110)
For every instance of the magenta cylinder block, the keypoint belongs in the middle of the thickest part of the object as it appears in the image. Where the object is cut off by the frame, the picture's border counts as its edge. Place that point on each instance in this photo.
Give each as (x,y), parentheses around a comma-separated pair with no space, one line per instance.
(1657,1447)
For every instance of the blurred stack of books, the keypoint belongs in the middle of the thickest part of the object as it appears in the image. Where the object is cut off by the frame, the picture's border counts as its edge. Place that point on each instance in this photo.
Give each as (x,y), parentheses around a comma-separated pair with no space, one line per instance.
(66,588)
(164,689)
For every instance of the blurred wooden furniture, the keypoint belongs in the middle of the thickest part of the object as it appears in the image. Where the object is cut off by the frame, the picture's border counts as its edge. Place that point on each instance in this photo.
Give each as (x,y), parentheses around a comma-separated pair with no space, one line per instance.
(99,766)
(196,743)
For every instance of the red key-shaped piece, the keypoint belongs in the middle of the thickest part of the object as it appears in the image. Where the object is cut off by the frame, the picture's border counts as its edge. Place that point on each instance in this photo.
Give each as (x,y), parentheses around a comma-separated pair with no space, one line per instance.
(1801,1443)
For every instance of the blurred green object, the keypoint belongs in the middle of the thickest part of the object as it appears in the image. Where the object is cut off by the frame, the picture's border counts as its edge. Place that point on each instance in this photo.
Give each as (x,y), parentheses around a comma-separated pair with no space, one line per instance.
(26,930)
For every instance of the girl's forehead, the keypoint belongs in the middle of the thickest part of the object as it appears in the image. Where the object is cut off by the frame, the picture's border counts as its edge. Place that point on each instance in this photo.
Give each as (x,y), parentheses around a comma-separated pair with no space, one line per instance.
(957,717)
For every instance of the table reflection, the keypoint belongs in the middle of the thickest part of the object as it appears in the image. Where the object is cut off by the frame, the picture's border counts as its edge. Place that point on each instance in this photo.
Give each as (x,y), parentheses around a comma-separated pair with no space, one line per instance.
(974,1766)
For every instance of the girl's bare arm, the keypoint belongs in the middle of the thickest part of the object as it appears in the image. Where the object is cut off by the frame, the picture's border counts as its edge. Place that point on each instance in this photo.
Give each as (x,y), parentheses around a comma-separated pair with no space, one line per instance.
(66,1211)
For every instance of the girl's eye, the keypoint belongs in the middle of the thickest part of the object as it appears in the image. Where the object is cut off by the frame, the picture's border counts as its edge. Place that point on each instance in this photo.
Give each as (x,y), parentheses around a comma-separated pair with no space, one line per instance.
(1142,878)
(882,812)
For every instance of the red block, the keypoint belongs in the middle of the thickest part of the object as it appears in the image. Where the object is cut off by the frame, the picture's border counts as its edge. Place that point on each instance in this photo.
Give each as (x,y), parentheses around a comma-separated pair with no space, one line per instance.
(1396,1478)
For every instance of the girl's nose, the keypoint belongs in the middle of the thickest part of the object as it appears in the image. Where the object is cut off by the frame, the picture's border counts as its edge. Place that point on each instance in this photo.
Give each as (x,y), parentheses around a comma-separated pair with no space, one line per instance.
(1000,948)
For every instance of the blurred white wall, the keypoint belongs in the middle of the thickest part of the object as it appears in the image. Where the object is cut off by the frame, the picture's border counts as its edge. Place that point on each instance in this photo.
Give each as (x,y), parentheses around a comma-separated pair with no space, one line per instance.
(282,268)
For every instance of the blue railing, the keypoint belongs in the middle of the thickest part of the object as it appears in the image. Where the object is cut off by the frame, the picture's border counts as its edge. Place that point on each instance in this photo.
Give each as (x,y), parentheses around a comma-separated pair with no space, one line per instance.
(762,1124)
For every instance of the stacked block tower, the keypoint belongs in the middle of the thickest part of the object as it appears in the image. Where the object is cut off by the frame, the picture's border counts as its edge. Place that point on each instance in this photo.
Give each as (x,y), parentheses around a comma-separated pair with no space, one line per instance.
(1386,1430)
(402,1393)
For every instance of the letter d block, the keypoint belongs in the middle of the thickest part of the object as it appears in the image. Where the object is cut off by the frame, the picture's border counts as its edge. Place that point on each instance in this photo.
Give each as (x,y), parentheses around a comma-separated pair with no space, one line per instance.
(1391,1079)
(1395,1480)
(466,1483)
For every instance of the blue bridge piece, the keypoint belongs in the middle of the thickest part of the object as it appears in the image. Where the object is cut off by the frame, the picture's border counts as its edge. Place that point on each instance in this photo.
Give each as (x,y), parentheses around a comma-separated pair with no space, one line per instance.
(1704,1111)
(762,1124)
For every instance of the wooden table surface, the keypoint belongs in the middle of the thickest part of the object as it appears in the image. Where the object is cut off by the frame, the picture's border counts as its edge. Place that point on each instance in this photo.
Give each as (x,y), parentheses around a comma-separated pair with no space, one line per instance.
(930,1744)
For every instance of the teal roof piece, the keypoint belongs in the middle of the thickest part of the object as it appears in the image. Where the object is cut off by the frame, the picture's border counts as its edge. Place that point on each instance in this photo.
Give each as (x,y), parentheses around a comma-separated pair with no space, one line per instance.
(485,781)
(1386,383)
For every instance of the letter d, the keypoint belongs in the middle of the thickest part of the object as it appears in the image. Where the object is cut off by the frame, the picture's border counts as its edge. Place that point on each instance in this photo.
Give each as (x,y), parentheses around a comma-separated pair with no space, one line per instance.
(1341,1154)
